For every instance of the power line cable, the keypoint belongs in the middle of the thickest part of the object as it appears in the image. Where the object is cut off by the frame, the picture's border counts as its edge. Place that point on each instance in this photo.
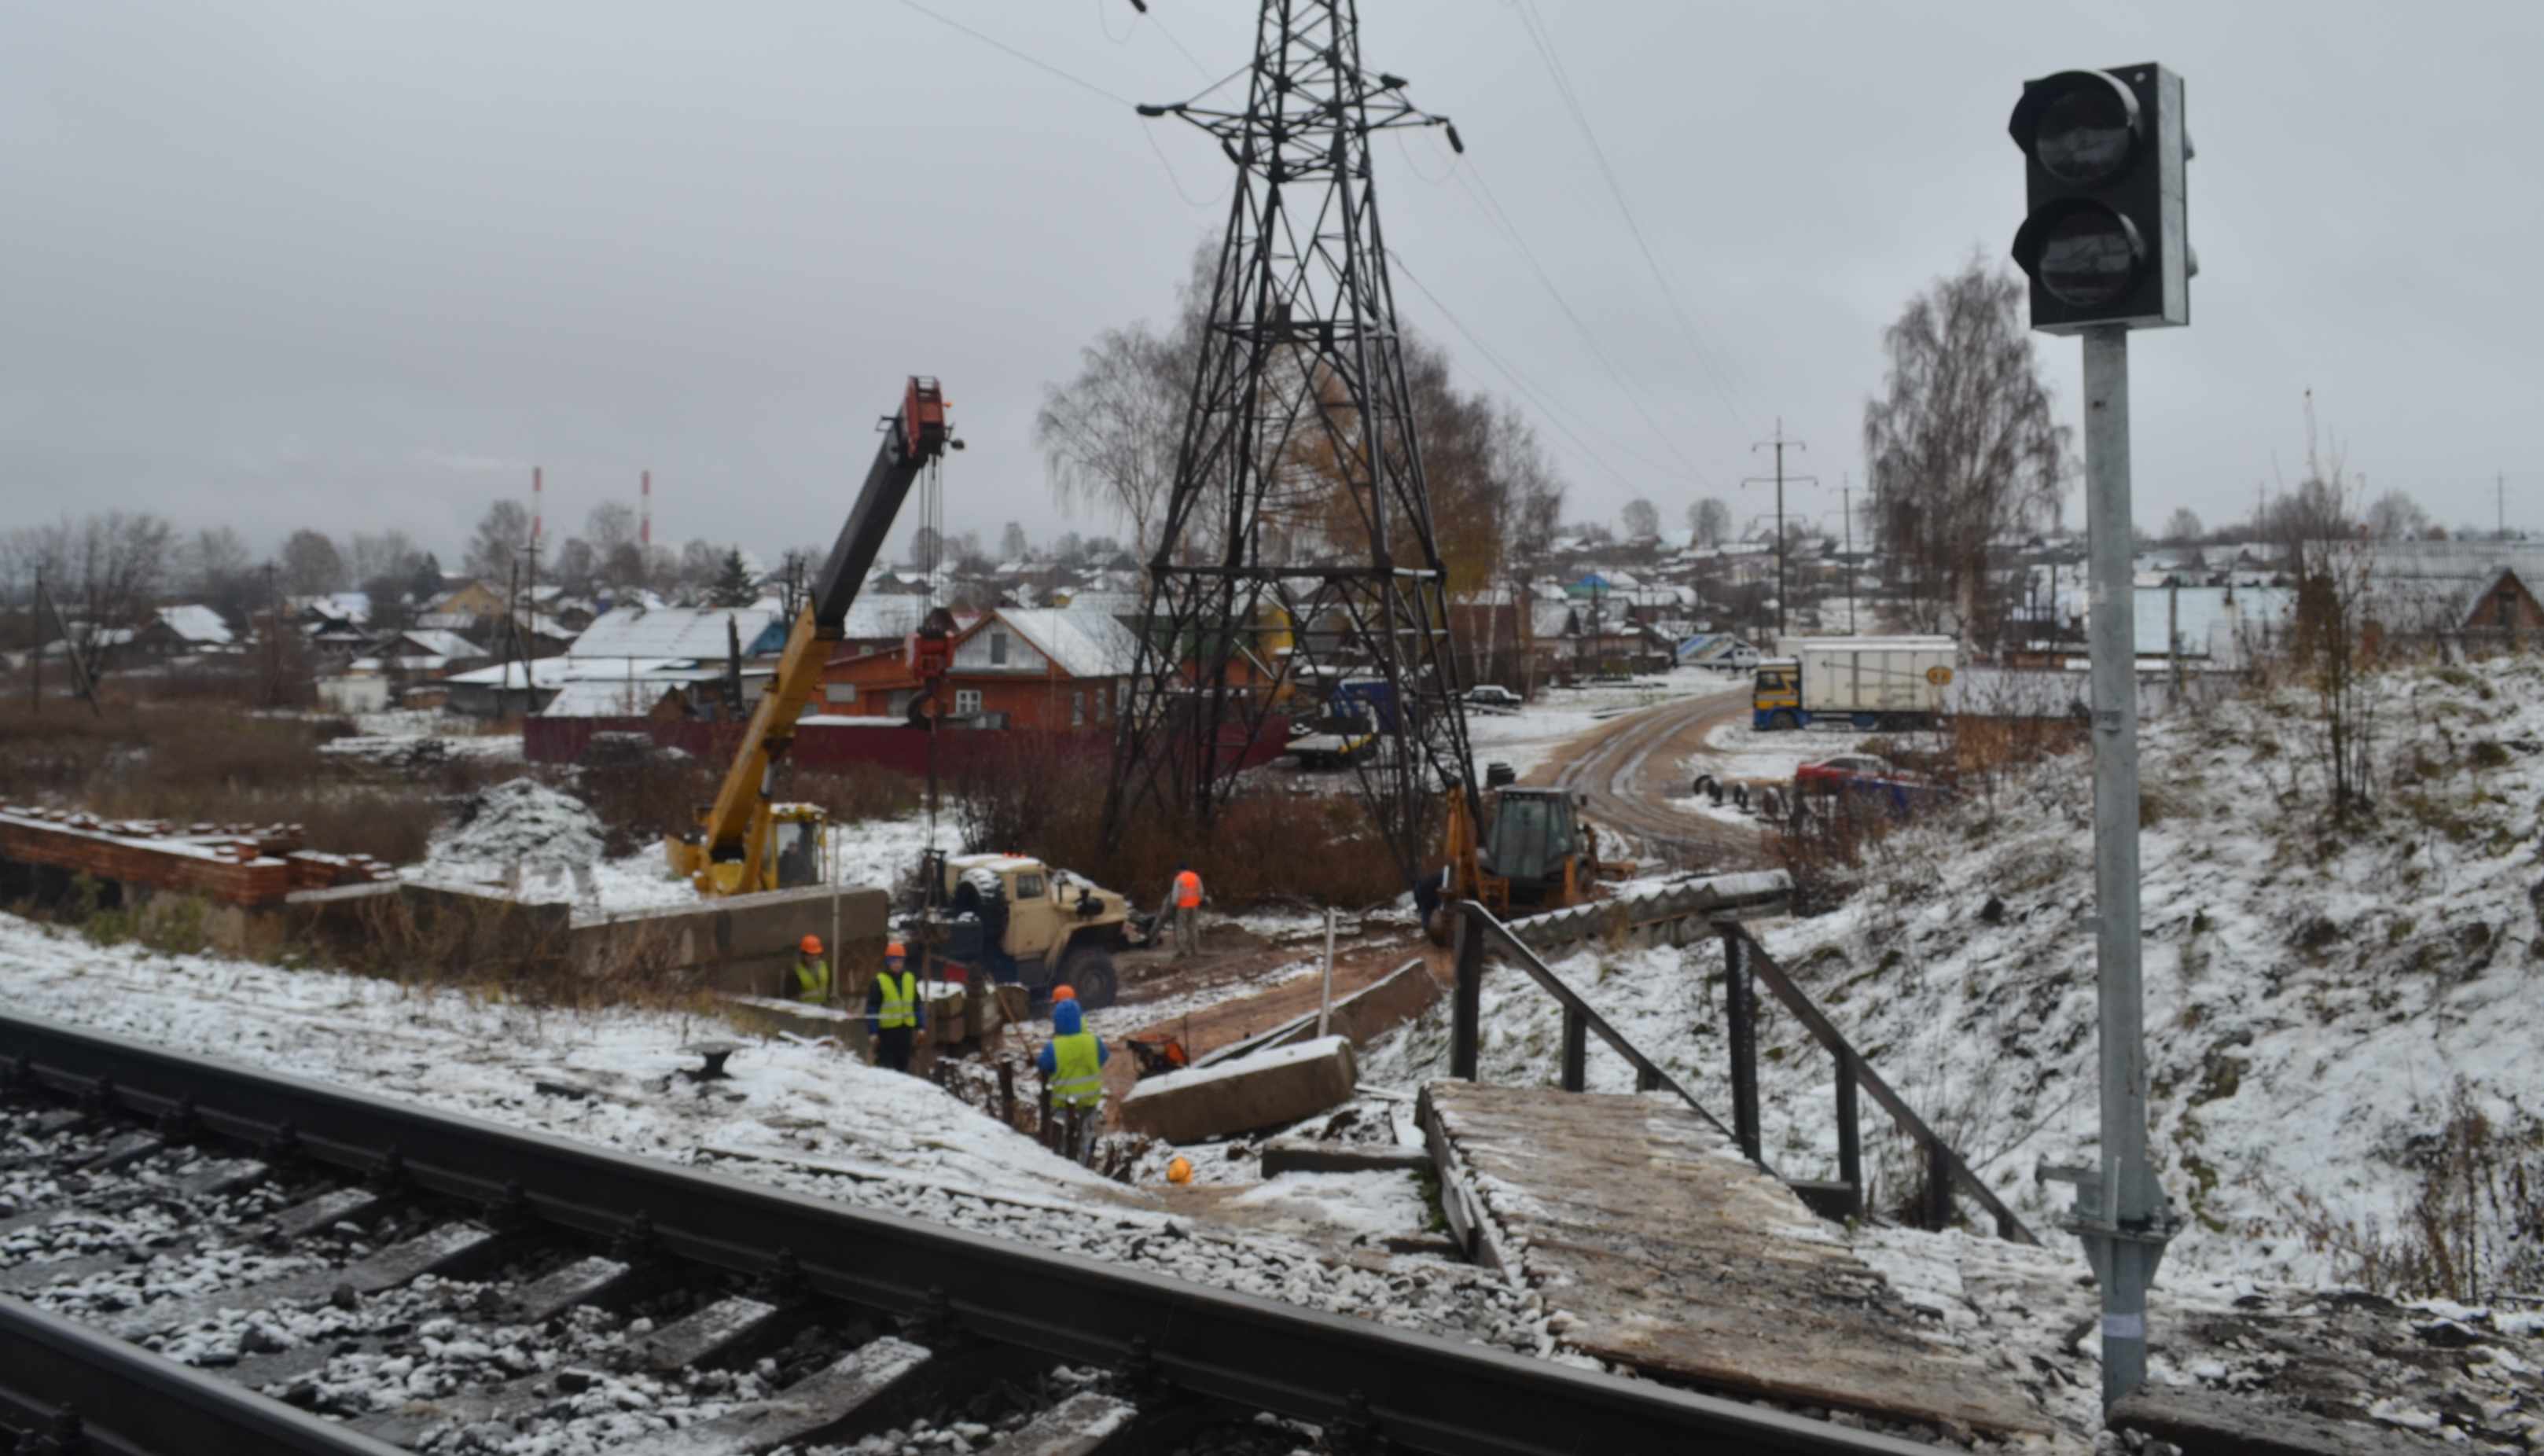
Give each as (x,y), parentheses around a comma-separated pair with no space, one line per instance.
(1500,217)
(1517,382)
(1034,61)
(1538,34)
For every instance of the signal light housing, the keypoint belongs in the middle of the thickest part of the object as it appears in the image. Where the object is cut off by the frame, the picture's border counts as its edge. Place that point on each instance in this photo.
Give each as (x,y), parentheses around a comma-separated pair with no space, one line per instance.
(2107,239)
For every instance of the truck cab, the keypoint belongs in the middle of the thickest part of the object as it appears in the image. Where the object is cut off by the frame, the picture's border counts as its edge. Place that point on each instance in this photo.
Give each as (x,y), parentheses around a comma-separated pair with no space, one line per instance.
(1776,696)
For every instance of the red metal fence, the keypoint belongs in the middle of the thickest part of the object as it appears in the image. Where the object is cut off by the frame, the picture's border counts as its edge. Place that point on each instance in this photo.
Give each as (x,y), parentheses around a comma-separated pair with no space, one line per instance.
(841,745)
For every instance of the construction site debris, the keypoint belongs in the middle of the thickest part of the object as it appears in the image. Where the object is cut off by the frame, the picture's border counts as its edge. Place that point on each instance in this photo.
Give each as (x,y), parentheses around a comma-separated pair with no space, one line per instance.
(522,820)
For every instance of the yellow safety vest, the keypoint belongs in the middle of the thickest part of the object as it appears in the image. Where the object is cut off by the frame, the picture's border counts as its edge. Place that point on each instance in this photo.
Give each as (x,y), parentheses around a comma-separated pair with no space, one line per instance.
(813,982)
(1077,1077)
(900,1002)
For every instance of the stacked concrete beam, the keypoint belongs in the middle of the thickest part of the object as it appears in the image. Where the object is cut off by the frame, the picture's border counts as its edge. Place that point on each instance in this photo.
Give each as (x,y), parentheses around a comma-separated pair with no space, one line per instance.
(245,868)
(1673,914)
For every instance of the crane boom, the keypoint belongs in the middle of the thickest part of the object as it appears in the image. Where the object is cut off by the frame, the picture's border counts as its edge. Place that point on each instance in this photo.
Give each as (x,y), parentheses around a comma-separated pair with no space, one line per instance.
(732,827)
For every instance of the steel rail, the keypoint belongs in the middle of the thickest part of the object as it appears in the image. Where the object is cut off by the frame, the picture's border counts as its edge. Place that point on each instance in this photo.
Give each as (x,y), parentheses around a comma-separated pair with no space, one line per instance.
(1420,1392)
(129,1402)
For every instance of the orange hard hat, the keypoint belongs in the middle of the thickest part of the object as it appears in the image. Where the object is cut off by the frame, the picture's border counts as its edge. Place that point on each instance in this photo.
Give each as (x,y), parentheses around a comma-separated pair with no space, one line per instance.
(894,951)
(1180,1170)
(1060,994)
(812,945)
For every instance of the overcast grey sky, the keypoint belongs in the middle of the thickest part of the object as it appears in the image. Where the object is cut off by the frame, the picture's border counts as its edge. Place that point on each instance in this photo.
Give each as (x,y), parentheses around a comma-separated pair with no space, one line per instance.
(356,265)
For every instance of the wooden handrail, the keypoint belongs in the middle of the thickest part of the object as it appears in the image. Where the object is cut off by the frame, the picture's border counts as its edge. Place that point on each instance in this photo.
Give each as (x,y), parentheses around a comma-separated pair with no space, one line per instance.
(1810,1015)
(1479,925)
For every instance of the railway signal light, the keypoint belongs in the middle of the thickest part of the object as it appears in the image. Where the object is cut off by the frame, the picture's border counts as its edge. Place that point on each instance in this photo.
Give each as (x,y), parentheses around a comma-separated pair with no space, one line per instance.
(2106,236)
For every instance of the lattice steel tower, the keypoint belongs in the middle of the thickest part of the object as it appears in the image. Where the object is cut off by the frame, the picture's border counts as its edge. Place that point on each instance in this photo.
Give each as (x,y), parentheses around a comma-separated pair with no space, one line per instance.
(1297,550)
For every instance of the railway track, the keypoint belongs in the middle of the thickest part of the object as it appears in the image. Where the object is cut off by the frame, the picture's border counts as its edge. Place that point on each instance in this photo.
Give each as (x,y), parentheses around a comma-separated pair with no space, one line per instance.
(207,1259)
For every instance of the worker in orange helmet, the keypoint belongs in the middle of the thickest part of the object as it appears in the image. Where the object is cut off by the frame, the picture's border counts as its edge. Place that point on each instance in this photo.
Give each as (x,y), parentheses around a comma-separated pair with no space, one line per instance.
(1063,993)
(812,972)
(1183,903)
(895,1016)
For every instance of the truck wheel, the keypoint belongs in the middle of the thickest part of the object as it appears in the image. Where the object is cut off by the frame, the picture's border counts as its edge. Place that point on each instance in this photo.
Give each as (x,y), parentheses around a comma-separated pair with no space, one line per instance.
(1088,971)
(1771,803)
(1740,795)
(1784,720)
(1714,792)
(1705,785)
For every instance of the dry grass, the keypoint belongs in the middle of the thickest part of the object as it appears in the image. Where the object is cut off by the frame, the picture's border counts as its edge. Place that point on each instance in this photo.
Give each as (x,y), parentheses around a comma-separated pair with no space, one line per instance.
(1037,799)
(201,763)
(2475,1228)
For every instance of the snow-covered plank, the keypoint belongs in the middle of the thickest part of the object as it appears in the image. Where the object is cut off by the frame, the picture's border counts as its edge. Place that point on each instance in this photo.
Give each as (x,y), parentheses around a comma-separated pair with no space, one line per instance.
(1657,1246)
(583,1281)
(2219,1424)
(819,1407)
(714,1332)
(447,1248)
(1076,1426)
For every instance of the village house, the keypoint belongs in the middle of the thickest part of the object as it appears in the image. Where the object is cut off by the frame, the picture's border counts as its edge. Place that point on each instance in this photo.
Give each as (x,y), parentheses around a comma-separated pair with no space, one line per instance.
(1044,668)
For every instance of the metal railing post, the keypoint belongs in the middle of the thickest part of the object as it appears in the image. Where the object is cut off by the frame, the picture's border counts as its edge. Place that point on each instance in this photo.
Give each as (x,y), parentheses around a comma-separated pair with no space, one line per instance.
(1576,1049)
(1850,1128)
(1465,1006)
(1938,1185)
(1740,1009)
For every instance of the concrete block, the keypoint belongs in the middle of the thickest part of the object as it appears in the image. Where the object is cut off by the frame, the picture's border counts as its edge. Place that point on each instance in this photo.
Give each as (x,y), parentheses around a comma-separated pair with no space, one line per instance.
(1267,1090)
(746,943)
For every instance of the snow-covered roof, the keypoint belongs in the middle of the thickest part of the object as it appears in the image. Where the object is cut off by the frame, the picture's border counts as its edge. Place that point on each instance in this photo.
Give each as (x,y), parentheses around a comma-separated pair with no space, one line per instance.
(1109,604)
(599,697)
(352,607)
(885,614)
(1083,644)
(441,643)
(669,631)
(196,624)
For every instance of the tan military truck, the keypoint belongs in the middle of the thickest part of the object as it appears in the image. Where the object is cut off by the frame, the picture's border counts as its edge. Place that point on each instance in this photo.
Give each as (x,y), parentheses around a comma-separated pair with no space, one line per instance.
(1010,919)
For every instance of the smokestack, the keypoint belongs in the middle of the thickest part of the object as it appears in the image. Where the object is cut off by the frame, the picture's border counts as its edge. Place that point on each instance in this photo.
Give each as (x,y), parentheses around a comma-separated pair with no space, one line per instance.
(645,520)
(535,505)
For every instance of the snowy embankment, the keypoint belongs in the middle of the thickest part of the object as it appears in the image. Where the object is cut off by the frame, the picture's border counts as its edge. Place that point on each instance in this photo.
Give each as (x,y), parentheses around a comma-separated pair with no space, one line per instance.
(2322,1007)
(795,1115)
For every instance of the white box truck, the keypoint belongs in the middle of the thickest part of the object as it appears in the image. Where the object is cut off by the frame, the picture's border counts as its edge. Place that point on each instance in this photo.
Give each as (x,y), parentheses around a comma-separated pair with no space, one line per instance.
(1864,682)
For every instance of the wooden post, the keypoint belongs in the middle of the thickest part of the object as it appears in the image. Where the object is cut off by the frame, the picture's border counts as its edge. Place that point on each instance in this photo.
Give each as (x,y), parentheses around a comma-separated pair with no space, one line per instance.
(1465,1010)
(1007,1092)
(1938,1185)
(1646,1078)
(1850,1136)
(1740,1016)
(1576,1048)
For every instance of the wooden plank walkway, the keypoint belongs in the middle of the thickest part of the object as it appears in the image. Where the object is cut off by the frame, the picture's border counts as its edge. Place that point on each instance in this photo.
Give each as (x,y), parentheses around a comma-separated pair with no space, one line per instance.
(1657,1246)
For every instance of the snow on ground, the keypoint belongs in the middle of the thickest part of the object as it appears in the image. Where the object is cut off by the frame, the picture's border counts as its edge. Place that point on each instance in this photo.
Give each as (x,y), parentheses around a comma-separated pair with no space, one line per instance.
(795,1115)
(556,843)
(402,735)
(2316,1003)
(1736,750)
(1527,737)
(1384,1204)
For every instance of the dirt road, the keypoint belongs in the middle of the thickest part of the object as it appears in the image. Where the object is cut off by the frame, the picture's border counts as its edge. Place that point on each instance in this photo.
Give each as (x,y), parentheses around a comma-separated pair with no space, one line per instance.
(1626,771)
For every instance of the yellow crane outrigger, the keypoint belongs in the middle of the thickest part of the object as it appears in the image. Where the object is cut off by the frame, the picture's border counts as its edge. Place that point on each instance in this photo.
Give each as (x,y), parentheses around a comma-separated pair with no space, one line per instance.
(736,846)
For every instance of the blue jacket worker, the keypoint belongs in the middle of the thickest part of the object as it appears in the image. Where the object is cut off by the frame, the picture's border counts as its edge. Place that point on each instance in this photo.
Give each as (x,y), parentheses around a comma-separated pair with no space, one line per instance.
(895,1013)
(1074,1063)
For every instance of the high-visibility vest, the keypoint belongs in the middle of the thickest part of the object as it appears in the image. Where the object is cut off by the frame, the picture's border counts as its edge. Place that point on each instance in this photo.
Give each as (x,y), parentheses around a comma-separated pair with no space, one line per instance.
(1188,890)
(900,1001)
(1077,1077)
(813,982)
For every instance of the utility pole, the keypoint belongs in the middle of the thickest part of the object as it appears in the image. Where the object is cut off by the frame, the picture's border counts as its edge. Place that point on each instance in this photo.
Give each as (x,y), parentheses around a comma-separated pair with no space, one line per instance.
(273,640)
(1846,508)
(2500,500)
(1780,478)
(36,637)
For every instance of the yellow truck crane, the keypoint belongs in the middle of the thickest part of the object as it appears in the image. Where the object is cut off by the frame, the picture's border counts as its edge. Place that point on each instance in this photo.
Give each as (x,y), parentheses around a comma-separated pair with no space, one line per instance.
(743,842)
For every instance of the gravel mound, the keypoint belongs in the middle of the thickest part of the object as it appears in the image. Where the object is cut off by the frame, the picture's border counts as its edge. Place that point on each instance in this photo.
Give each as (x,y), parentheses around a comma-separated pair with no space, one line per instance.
(521,820)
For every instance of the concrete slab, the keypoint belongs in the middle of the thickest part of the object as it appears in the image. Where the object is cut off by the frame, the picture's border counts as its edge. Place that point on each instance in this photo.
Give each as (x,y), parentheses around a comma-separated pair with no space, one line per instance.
(1267,1090)
(1657,1246)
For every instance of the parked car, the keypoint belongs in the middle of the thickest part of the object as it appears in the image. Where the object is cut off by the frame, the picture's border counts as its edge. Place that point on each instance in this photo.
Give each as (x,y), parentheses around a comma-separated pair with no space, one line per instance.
(1866,774)
(1492,695)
